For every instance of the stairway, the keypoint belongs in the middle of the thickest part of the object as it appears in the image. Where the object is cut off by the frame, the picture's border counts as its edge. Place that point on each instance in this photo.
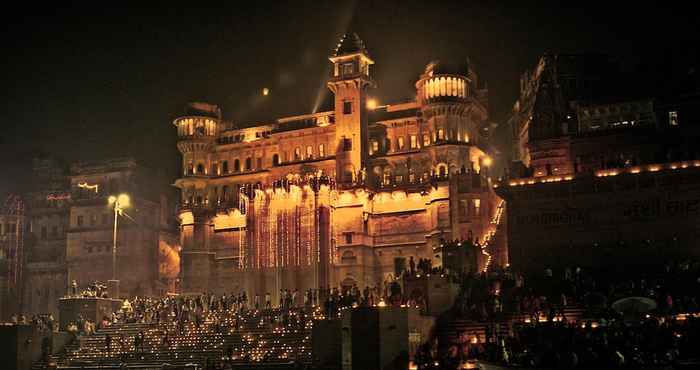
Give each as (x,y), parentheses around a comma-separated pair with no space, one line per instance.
(248,337)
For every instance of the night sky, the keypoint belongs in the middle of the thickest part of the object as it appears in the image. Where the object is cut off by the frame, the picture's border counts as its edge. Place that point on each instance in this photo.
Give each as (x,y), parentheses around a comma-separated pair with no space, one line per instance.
(92,81)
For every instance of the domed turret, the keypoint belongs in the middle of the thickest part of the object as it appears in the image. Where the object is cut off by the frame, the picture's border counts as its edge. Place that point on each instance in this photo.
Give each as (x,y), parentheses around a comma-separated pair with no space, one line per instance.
(444,82)
(350,43)
(197,130)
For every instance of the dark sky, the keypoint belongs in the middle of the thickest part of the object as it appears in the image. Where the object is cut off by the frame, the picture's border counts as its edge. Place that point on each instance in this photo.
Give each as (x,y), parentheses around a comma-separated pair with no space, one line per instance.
(92,80)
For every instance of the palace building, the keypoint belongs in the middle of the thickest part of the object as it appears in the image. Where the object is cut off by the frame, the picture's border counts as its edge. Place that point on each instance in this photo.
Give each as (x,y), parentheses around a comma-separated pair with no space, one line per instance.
(340,197)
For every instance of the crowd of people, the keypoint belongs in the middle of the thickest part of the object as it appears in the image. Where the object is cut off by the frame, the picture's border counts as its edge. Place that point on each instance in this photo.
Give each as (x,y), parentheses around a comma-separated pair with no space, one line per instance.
(549,339)
(43,322)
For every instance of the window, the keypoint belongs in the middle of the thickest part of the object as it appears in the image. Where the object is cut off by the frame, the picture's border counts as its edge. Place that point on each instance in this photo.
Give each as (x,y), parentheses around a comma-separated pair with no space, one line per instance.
(413,142)
(224,193)
(464,208)
(259,164)
(321,150)
(441,134)
(347,68)
(400,143)
(297,153)
(386,180)
(215,169)
(190,171)
(477,207)
(388,144)
(54,231)
(348,238)
(309,152)
(347,144)
(275,159)
(442,170)
(200,169)
(43,232)
(93,220)
(236,165)
(224,167)
(347,107)
(673,118)
(79,221)
(398,179)
(248,164)
(375,147)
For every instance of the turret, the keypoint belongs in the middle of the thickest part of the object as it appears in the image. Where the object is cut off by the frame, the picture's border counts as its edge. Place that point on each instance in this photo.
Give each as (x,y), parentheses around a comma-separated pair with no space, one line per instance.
(451,102)
(197,130)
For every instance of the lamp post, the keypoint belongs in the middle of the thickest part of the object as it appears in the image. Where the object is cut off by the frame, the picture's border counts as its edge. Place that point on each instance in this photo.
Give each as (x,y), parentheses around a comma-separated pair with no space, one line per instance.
(119,203)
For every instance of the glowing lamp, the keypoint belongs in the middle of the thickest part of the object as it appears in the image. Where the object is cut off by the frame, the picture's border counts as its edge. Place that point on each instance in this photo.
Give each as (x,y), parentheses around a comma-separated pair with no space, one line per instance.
(265,91)
(371,104)
(112,199)
(123,200)
(487,161)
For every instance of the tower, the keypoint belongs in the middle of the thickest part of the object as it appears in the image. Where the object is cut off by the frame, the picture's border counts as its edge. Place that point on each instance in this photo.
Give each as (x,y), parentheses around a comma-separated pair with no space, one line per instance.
(197,131)
(349,82)
(454,111)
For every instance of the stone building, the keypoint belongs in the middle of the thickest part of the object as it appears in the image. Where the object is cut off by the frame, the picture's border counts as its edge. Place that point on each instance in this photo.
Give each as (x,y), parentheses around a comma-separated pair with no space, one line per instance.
(12,231)
(339,197)
(45,278)
(598,164)
(72,229)
(141,233)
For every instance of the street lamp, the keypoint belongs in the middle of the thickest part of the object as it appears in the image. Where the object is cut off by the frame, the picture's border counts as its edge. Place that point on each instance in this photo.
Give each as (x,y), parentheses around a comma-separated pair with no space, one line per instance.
(119,203)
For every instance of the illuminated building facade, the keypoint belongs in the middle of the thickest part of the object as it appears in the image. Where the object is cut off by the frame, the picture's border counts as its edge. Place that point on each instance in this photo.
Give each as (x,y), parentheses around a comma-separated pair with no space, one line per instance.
(340,197)
(596,167)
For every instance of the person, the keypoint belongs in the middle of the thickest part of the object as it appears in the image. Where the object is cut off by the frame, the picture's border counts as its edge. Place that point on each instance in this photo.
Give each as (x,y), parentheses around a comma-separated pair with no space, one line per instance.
(256,301)
(74,288)
(412,266)
(268,301)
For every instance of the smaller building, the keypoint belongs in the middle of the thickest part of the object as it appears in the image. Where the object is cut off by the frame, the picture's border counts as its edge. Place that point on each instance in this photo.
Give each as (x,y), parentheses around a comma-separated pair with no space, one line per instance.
(593,175)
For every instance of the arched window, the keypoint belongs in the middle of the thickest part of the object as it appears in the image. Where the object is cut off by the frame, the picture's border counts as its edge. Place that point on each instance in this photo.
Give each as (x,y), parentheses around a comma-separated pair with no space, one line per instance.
(309,152)
(441,134)
(442,170)
(200,169)
(248,164)
(224,167)
(297,153)
(275,159)
(321,150)
(236,165)
(443,86)
(214,169)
